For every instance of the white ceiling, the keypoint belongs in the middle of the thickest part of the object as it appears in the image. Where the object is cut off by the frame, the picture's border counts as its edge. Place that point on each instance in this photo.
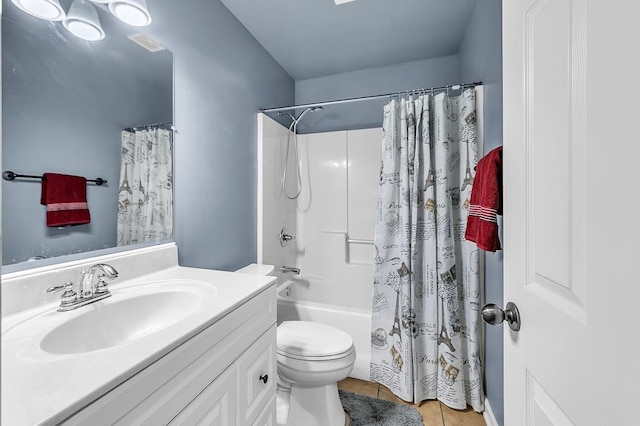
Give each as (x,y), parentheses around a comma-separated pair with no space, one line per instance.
(312,38)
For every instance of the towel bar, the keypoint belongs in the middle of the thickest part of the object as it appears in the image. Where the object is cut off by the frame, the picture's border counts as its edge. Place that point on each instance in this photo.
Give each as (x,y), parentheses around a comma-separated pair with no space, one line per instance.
(9,175)
(358,241)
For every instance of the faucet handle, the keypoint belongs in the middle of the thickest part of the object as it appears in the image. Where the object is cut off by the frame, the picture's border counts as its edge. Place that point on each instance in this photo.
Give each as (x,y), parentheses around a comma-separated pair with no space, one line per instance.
(57,288)
(101,285)
(68,296)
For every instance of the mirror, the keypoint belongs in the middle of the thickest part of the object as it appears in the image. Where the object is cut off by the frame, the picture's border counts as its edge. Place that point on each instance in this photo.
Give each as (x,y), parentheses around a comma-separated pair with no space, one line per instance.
(65,103)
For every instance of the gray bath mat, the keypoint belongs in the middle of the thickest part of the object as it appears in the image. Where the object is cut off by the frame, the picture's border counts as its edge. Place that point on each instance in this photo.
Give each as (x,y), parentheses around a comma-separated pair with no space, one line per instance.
(367,411)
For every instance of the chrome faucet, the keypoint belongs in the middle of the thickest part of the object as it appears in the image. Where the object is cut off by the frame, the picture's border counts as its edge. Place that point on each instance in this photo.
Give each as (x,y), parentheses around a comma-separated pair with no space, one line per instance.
(286,269)
(87,286)
(89,289)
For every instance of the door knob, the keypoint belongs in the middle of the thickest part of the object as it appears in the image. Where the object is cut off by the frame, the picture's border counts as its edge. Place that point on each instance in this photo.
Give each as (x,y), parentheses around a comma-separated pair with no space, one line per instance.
(494,315)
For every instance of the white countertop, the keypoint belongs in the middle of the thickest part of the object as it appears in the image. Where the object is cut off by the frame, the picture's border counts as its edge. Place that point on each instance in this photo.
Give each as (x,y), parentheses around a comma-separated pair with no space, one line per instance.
(43,388)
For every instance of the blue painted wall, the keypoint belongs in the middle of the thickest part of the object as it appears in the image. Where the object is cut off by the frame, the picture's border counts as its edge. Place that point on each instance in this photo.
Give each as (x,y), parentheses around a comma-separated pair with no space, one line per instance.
(372,81)
(481,59)
(222,77)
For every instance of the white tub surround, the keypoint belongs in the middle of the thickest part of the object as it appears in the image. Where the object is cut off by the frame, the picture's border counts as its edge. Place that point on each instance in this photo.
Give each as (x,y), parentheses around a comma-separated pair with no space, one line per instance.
(41,387)
(332,223)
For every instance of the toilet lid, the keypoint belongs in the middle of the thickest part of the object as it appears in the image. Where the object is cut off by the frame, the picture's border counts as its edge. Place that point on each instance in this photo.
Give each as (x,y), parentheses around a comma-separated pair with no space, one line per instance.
(312,339)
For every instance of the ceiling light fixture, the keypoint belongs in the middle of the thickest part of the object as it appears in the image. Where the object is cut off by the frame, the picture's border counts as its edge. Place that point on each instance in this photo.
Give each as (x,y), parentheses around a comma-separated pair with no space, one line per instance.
(338,2)
(132,12)
(82,21)
(43,9)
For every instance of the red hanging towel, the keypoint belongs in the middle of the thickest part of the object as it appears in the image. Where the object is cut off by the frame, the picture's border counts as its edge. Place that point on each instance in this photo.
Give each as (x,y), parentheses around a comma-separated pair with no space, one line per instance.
(66,199)
(486,202)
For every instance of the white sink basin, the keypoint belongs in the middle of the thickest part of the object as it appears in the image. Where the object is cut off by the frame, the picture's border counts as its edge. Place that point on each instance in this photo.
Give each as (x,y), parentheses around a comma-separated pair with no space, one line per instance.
(105,325)
(131,313)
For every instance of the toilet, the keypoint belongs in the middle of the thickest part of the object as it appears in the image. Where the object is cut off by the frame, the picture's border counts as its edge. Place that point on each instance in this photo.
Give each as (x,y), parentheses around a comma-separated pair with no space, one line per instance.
(312,358)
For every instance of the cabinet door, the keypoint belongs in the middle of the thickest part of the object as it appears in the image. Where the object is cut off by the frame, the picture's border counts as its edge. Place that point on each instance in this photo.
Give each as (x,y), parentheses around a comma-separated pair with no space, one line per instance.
(268,415)
(214,406)
(256,377)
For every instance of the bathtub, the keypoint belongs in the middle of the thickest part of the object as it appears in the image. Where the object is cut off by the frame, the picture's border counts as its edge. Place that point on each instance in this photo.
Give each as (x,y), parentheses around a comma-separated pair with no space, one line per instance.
(356,322)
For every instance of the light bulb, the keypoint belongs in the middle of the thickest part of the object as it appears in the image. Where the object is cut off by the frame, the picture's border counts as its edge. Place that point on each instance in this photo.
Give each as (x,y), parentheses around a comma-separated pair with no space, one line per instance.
(84,30)
(83,22)
(43,9)
(132,12)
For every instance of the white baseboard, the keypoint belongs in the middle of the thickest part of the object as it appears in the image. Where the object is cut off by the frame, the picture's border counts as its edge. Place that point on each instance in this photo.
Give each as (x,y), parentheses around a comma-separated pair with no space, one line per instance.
(488,415)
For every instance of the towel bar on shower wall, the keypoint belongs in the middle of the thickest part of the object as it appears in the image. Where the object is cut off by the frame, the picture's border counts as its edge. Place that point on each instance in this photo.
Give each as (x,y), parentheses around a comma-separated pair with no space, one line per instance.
(357,241)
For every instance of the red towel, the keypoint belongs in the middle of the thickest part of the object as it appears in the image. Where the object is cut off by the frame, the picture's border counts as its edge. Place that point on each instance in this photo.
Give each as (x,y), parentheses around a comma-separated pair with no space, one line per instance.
(486,202)
(66,199)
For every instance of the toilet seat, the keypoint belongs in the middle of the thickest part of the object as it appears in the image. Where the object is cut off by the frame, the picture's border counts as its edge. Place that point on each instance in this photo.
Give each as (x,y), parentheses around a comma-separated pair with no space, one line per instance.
(316,358)
(306,340)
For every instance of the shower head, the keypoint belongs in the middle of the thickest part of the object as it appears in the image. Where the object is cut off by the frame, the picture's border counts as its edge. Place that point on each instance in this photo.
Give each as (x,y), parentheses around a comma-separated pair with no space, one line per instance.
(294,120)
(315,108)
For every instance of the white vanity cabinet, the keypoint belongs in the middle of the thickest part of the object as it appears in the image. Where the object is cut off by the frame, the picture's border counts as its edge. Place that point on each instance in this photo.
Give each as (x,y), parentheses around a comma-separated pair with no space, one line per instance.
(224,375)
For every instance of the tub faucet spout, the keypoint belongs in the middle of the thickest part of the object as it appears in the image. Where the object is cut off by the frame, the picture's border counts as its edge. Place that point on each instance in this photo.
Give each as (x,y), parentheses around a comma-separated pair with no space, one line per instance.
(286,269)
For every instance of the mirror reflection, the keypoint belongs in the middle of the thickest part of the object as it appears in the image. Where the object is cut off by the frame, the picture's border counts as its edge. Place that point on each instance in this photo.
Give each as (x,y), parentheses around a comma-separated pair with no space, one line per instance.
(95,109)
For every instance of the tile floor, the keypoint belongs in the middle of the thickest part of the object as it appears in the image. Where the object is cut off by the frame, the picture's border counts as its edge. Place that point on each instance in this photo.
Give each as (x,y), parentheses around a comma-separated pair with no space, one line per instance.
(433,412)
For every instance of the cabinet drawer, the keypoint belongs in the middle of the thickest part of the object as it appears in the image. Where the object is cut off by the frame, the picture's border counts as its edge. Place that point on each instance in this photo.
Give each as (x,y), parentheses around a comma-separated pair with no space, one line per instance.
(214,406)
(256,377)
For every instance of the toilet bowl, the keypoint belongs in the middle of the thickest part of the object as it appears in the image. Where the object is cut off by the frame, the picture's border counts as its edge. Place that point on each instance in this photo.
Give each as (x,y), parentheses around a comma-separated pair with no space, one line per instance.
(311,359)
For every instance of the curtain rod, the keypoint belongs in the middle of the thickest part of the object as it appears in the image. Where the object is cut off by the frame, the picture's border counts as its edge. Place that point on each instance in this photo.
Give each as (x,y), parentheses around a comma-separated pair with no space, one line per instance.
(367,98)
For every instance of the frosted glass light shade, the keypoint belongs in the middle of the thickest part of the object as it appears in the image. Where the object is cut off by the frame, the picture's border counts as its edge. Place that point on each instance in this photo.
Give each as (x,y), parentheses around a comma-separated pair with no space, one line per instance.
(83,22)
(43,9)
(132,12)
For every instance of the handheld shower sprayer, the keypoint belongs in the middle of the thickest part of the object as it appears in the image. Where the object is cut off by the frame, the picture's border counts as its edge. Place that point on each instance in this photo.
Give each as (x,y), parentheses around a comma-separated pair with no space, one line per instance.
(293,128)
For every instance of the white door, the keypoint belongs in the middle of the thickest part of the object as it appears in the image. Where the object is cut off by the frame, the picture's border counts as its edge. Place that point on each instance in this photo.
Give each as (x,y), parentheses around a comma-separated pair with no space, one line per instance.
(571,210)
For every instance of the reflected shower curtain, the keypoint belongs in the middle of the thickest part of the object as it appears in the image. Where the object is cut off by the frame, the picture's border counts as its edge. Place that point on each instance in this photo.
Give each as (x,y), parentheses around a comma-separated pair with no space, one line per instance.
(426,326)
(145,199)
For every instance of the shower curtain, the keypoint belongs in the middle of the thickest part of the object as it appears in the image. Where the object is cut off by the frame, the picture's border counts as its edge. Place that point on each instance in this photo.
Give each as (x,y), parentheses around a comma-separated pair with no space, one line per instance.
(145,199)
(426,327)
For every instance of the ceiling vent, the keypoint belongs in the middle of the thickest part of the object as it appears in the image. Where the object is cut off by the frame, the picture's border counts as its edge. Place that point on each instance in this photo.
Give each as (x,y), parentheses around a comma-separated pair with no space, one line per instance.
(147,42)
